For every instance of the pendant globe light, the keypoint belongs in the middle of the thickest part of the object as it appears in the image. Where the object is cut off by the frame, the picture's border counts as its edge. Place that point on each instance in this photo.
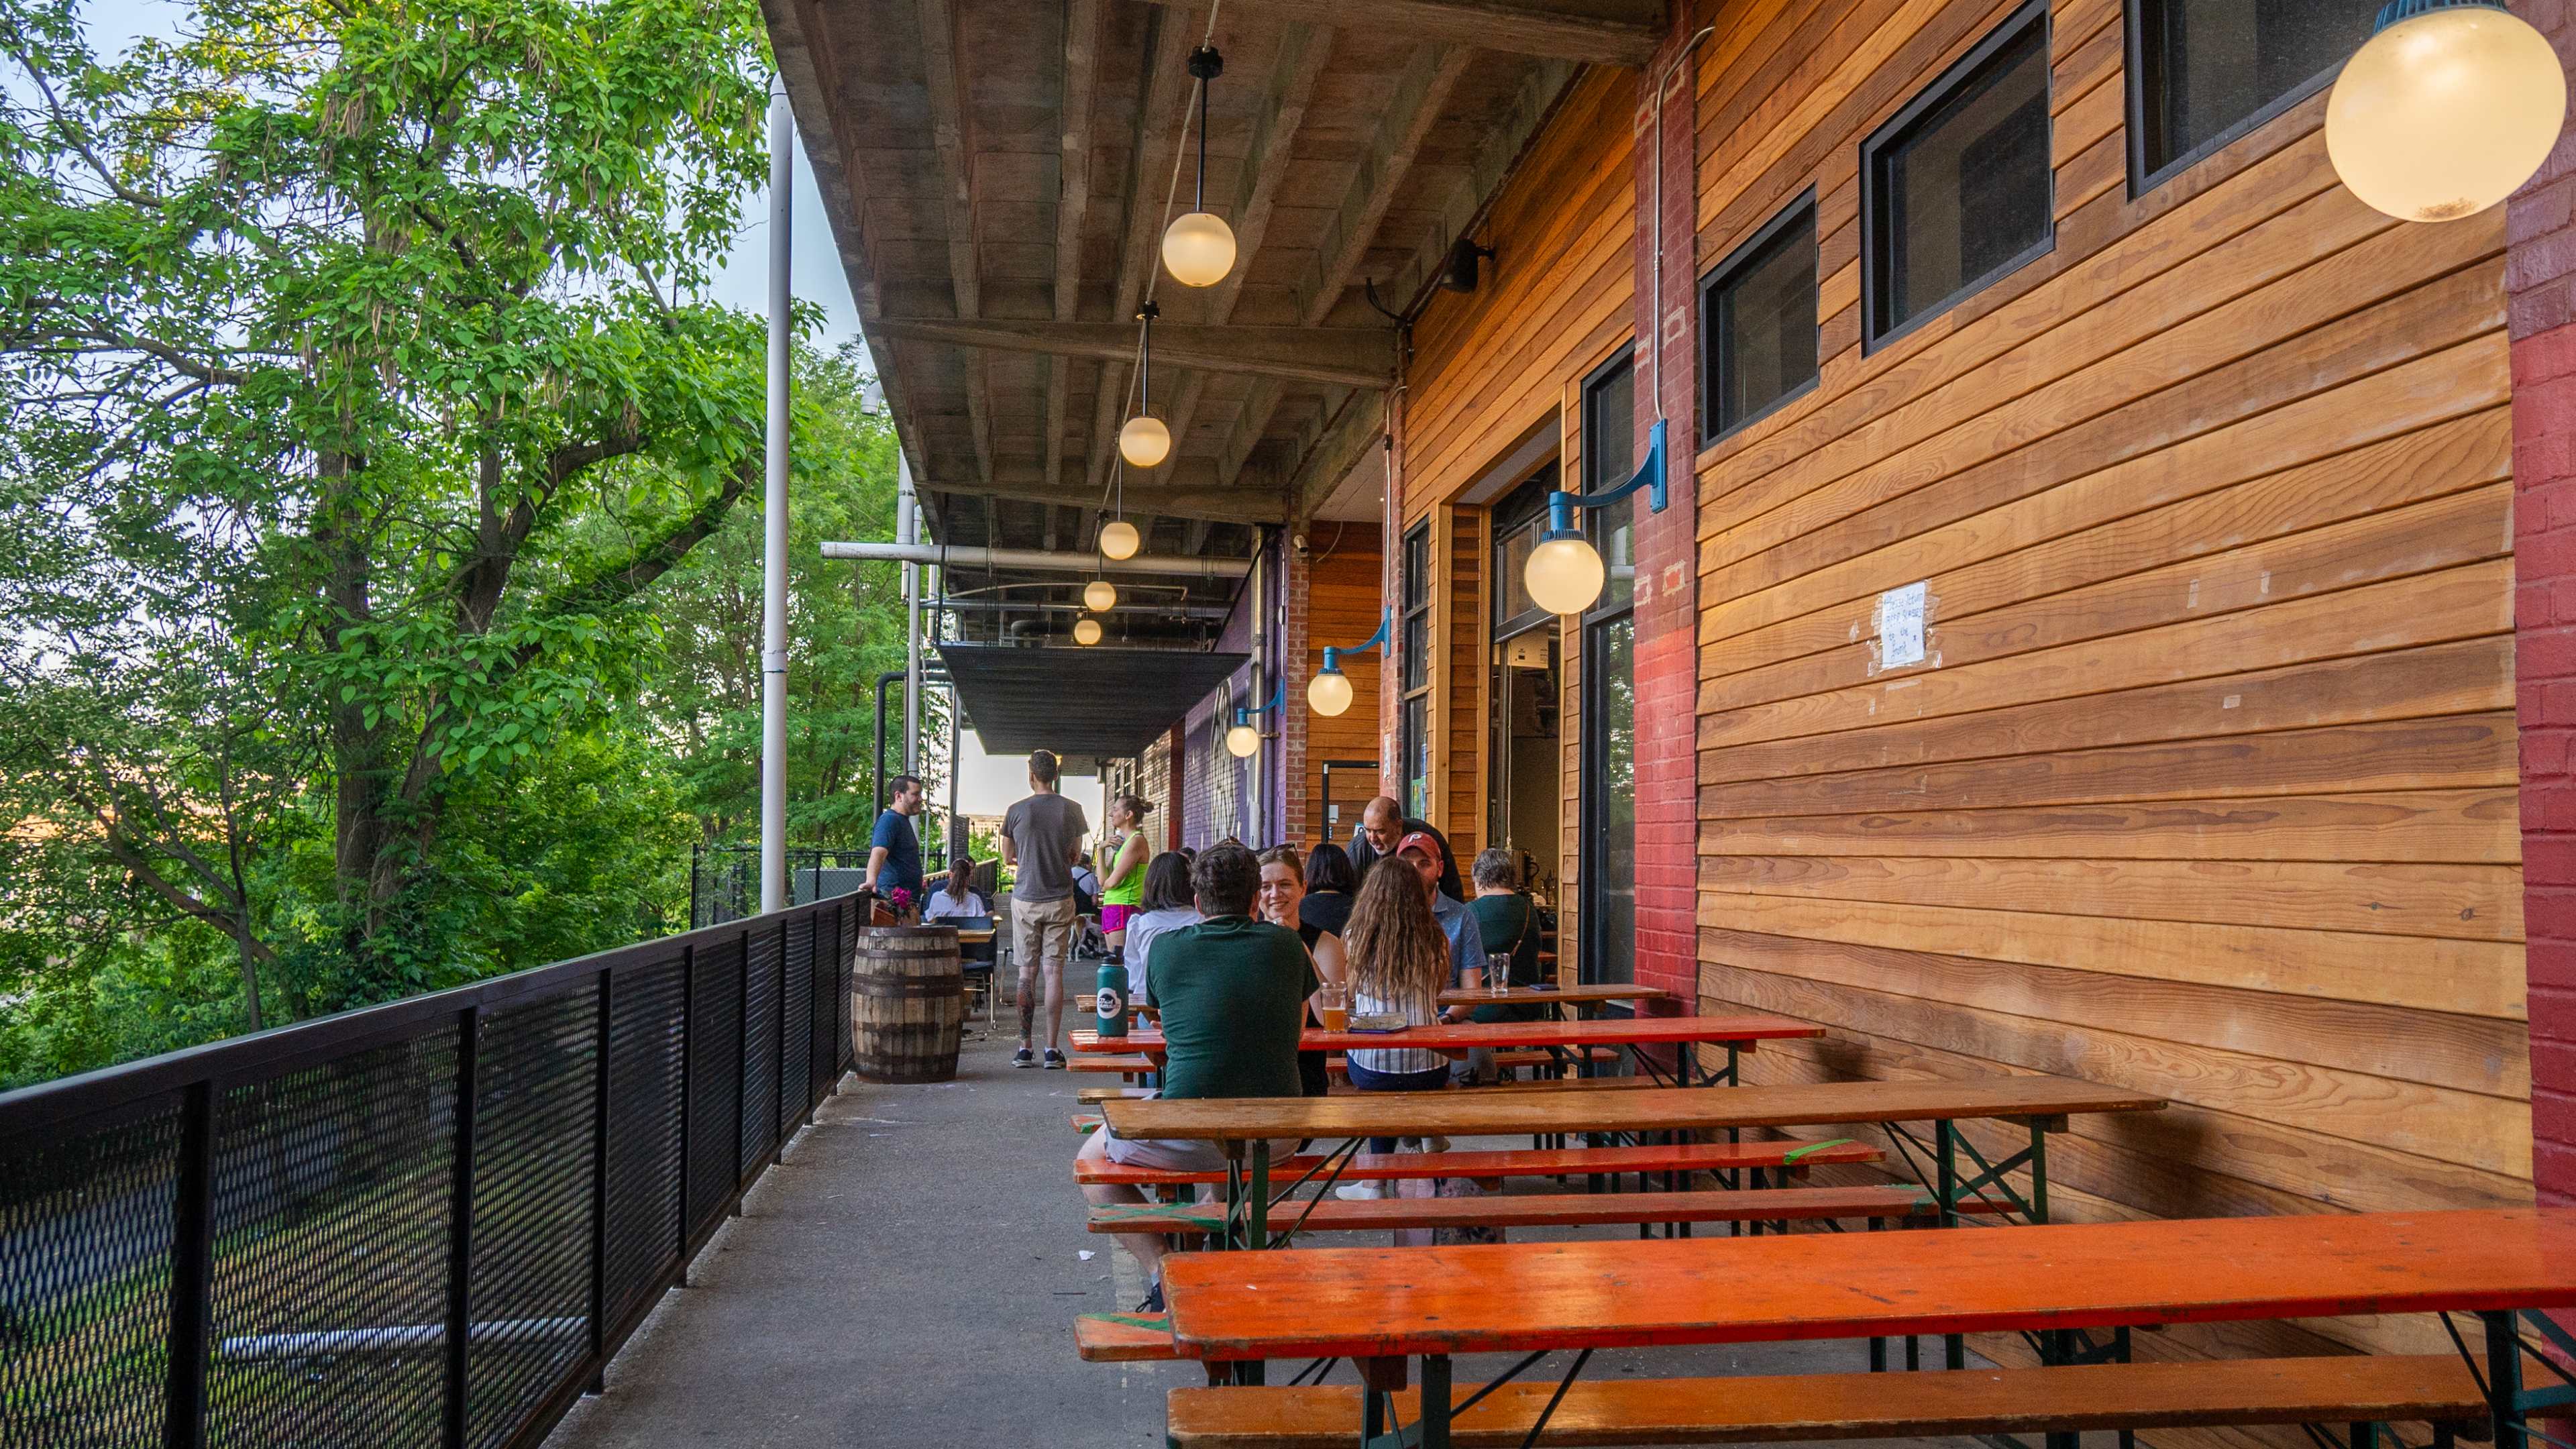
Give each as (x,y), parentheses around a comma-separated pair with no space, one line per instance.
(1100,596)
(1144,441)
(1119,539)
(2448,109)
(1198,248)
(1086,632)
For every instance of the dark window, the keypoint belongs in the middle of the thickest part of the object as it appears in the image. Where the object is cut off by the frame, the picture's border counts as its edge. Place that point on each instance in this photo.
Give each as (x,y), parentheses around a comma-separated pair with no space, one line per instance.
(1758,319)
(1609,458)
(1519,521)
(1416,649)
(1956,189)
(1607,924)
(2204,72)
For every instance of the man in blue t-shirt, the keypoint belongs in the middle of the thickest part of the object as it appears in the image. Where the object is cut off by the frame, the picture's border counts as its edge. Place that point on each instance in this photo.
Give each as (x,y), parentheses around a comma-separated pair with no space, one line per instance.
(894,851)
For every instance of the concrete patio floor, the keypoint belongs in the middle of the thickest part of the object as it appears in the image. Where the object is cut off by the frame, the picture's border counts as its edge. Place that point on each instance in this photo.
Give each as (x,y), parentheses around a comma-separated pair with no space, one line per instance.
(909,1275)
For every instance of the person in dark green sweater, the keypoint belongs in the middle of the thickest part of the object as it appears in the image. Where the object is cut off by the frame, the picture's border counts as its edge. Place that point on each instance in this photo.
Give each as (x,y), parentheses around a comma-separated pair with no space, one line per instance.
(1232,992)
(1508,920)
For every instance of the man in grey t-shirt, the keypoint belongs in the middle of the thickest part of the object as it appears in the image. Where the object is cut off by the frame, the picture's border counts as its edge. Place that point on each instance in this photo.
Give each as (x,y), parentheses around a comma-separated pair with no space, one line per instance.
(1041,839)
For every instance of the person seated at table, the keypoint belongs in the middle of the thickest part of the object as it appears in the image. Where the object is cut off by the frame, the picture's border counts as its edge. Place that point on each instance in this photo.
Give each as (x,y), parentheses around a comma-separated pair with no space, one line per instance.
(1331,882)
(957,895)
(1233,993)
(1508,923)
(1167,903)
(1283,886)
(1399,964)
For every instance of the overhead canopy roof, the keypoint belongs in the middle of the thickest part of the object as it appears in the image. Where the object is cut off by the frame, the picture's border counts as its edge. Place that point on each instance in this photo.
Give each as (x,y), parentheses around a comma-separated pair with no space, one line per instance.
(997,176)
(1110,703)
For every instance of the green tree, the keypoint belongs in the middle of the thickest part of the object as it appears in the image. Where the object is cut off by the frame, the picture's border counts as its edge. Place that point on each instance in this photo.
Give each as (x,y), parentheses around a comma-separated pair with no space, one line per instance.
(355,328)
(845,626)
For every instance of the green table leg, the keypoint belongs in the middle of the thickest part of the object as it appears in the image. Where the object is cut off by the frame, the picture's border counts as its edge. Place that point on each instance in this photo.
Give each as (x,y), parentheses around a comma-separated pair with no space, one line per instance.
(1435,1402)
(1257,1235)
(2504,1380)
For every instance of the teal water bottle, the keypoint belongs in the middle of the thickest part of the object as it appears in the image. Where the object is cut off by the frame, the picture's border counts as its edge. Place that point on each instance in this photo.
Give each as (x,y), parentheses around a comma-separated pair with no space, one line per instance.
(1113,997)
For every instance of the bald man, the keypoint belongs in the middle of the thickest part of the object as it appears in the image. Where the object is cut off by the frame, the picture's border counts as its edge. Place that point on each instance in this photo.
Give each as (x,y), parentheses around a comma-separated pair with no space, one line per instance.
(1382,825)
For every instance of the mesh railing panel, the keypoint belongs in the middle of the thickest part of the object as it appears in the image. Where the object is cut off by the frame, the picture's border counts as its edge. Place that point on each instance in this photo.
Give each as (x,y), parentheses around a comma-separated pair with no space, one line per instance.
(346,1164)
(85,1234)
(535,1090)
(759,1048)
(715,1082)
(295,1193)
(648,1022)
(796,1028)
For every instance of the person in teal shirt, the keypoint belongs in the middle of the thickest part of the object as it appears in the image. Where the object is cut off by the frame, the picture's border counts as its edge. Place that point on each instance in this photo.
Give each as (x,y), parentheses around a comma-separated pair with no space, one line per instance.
(1232,992)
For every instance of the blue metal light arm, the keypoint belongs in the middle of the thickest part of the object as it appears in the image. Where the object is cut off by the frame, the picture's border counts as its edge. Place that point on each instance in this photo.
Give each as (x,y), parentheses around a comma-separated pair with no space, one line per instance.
(1278,692)
(1333,657)
(1649,476)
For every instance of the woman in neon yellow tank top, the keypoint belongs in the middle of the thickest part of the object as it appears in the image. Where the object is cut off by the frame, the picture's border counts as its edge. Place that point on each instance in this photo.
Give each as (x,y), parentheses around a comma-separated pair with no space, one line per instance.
(1122,879)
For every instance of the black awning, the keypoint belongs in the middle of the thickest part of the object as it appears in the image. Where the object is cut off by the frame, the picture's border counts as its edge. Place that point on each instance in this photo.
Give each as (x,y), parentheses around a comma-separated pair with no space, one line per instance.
(1109,703)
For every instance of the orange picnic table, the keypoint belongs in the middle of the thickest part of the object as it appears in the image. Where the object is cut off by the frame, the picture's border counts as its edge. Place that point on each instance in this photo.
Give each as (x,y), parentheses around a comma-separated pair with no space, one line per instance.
(1383,1306)
(1737,1034)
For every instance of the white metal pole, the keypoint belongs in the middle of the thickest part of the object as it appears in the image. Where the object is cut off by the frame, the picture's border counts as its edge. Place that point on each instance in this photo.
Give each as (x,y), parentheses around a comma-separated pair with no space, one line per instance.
(907,529)
(773,563)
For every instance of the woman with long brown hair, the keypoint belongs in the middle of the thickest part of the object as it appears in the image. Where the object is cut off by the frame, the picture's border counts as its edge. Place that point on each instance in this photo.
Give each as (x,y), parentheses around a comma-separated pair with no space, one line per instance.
(1398,964)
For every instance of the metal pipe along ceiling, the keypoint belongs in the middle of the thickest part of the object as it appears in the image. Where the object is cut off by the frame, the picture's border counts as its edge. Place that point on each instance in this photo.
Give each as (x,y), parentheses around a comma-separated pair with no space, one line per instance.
(947,556)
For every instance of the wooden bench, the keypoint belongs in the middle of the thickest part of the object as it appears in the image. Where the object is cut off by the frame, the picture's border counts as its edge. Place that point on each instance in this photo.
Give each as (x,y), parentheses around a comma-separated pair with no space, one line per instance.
(1124,1338)
(1124,1066)
(1533,1210)
(1093,1096)
(1554,1162)
(2229,1392)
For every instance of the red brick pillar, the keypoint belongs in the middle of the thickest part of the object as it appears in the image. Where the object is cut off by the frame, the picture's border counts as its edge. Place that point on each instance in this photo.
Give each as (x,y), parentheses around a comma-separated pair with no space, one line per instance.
(1667,548)
(1293,714)
(2540,276)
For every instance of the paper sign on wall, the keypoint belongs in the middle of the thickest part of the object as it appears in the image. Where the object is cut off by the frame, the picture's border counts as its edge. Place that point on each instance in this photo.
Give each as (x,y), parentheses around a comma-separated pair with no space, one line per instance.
(1900,626)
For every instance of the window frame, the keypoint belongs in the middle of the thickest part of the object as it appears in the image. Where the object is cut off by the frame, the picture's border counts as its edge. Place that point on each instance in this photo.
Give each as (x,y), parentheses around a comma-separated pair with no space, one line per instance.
(2137,67)
(1801,208)
(1413,598)
(1874,256)
(1593,521)
(1592,628)
(1512,516)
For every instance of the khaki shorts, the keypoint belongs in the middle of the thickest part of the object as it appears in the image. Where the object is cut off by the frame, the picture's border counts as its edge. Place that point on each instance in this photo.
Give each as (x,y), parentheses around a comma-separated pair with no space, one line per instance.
(1042,932)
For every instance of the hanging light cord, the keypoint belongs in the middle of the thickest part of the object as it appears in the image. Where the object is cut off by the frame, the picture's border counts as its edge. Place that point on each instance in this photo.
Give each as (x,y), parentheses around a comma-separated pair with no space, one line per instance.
(1196,110)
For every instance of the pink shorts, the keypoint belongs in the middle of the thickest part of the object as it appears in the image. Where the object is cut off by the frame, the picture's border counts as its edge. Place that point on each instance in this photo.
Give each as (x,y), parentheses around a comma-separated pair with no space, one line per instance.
(1114,918)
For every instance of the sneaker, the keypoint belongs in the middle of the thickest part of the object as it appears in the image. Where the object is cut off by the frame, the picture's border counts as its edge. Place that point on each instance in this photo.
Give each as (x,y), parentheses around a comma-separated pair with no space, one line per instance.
(1153,1301)
(1024,1058)
(1054,1060)
(1359,1191)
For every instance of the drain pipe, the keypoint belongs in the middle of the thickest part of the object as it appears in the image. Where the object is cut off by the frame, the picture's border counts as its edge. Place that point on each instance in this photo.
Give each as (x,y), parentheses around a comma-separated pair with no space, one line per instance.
(1041,560)
(907,529)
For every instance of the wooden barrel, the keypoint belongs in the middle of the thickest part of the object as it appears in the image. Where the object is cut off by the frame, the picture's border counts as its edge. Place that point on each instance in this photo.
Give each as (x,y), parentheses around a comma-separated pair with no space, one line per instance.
(907,1004)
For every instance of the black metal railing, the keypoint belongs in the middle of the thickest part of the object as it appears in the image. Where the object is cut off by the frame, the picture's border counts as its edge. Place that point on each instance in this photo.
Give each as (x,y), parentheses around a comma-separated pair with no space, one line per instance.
(724,880)
(430,1222)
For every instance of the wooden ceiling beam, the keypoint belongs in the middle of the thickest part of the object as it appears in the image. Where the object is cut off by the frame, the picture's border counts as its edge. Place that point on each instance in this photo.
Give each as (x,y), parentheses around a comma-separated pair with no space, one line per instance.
(1303,52)
(1072,206)
(1340,356)
(1599,32)
(1195,493)
(1158,136)
(945,91)
(1419,93)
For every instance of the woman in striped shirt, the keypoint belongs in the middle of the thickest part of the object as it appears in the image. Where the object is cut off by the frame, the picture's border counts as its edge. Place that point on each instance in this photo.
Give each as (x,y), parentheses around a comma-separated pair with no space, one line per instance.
(1399,964)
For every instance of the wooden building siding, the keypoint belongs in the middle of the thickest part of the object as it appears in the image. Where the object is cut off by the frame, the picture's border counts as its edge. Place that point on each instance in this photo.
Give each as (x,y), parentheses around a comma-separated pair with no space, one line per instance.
(1343,572)
(1490,365)
(2207,784)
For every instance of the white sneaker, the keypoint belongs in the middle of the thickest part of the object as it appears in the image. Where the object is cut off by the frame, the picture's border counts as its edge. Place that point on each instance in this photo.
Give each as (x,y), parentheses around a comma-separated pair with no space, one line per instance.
(1359,1191)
